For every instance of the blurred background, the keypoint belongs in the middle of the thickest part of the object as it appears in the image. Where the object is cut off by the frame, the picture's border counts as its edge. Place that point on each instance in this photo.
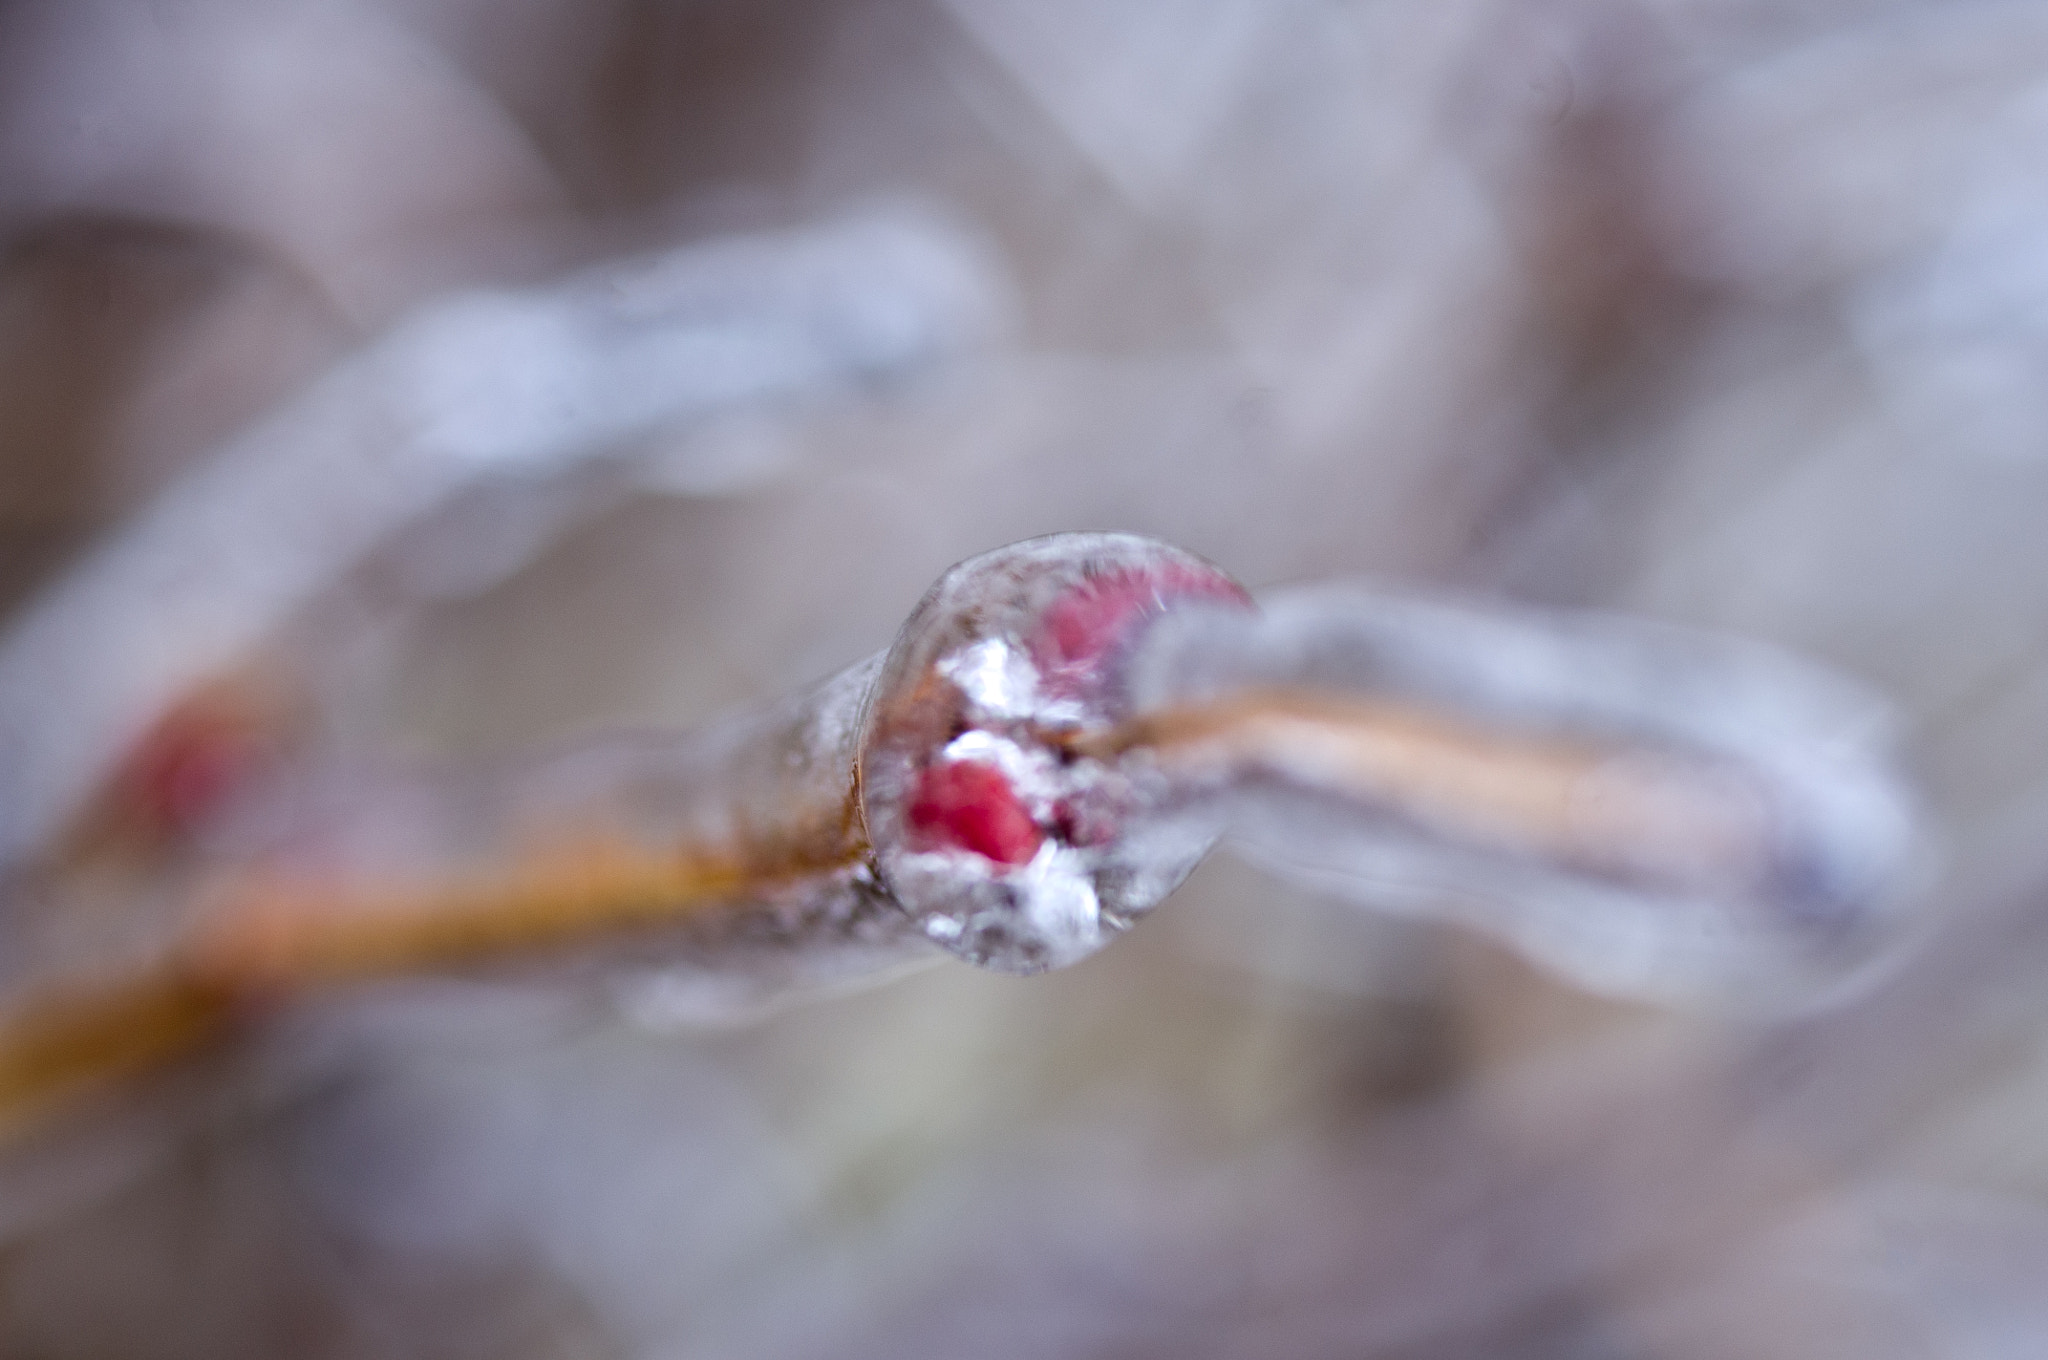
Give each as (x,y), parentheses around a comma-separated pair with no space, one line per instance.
(1723,312)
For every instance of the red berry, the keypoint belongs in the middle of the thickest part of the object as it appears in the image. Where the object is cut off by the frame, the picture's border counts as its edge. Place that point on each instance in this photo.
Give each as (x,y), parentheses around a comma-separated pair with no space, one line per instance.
(187,768)
(1085,627)
(969,806)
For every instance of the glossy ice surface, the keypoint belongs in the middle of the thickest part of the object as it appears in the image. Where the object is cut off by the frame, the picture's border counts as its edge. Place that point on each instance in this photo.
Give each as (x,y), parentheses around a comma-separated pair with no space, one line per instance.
(1650,810)
(1009,847)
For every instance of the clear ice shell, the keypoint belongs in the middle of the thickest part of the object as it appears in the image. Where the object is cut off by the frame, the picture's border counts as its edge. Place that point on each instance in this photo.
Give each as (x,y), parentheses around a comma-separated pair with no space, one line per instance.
(1838,829)
(1008,652)
(480,395)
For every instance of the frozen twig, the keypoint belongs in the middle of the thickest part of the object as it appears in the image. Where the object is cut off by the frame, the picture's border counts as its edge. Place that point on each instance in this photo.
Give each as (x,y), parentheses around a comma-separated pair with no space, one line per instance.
(1647,809)
(474,389)
(1060,732)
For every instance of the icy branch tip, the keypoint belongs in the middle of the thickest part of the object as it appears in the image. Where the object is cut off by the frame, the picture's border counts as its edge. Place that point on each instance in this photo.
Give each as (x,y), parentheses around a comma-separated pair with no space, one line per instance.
(1007,844)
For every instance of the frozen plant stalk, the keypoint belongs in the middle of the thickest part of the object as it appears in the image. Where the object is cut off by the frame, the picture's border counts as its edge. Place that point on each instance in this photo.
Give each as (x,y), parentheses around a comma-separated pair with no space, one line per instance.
(1060,732)
(1651,811)
(930,793)
(476,391)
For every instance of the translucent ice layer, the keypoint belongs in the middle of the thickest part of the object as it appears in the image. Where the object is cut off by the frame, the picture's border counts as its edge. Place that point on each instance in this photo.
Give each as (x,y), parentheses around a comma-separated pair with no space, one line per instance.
(475,390)
(1649,810)
(1008,844)
(1060,732)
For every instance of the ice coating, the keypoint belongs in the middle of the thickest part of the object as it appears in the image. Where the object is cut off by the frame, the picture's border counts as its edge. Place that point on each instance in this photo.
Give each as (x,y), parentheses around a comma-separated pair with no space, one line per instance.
(1004,843)
(1058,735)
(1648,810)
(1082,634)
(511,393)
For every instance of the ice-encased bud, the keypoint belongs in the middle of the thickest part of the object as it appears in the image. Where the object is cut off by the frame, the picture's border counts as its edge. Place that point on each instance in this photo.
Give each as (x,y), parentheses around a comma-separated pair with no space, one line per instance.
(1009,847)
